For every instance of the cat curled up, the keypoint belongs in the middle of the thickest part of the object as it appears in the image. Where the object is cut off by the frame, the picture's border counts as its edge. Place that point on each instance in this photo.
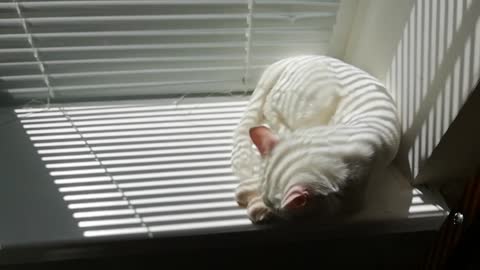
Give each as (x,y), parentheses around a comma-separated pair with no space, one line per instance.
(313,127)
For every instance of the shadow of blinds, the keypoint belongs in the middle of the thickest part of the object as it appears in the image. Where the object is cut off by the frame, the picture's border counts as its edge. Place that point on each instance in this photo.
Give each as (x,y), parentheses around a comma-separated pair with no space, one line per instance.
(433,71)
(153,168)
(141,169)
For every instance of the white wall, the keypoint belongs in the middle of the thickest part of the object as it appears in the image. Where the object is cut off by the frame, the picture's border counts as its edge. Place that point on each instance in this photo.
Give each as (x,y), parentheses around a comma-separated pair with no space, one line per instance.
(427,52)
(343,26)
(376,30)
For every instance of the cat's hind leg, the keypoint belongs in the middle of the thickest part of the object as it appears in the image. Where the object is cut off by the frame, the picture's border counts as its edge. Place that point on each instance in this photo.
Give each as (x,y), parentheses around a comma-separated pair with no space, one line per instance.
(246,191)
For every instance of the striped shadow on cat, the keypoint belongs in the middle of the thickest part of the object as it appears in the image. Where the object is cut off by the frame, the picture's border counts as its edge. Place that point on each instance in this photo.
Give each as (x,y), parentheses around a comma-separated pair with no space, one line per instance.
(314,128)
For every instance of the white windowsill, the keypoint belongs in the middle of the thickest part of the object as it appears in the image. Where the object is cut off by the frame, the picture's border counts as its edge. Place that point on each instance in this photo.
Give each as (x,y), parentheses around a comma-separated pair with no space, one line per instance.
(148,180)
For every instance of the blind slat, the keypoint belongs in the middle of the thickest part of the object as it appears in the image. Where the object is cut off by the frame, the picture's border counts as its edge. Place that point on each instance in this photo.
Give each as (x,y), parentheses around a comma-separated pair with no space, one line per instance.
(159,37)
(91,49)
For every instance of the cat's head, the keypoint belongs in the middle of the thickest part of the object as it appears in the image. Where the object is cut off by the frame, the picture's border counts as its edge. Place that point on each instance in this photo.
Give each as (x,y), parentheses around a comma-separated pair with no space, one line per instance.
(294,177)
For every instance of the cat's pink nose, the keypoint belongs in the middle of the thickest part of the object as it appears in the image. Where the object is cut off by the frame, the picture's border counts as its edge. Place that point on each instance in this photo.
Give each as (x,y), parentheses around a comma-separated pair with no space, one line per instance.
(295,198)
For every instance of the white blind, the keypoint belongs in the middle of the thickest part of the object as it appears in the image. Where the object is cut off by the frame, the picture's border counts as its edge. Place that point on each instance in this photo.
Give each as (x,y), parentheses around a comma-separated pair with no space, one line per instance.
(69,49)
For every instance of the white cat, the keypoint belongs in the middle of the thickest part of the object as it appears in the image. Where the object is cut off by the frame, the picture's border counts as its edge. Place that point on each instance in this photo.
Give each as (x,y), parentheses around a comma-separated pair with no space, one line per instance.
(314,125)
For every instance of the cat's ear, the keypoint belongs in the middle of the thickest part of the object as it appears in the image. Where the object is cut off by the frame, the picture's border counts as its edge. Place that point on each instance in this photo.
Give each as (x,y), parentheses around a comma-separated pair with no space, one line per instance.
(264,139)
(296,197)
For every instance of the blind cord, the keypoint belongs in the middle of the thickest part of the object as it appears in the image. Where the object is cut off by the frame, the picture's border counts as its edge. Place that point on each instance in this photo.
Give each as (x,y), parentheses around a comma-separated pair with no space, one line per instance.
(247,60)
(248,44)
(50,92)
(107,172)
(36,55)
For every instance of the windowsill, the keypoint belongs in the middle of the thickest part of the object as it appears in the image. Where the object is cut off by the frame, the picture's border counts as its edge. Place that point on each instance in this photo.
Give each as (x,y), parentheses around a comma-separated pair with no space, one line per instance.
(35,214)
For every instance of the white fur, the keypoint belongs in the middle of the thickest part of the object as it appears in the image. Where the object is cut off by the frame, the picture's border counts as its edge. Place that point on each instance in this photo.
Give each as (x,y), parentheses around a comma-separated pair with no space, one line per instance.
(335,122)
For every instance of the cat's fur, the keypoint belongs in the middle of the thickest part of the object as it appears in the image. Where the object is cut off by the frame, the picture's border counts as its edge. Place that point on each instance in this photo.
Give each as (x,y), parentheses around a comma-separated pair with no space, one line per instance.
(314,126)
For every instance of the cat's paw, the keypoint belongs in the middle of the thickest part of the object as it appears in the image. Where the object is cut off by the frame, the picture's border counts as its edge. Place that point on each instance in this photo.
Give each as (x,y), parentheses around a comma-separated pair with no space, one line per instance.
(244,196)
(258,212)
(246,191)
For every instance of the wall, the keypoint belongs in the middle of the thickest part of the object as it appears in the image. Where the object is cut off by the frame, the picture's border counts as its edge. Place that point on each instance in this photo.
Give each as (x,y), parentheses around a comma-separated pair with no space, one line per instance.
(427,52)
(347,10)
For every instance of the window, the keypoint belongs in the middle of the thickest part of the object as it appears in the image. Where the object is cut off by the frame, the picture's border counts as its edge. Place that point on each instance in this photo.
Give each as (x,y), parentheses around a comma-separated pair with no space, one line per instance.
(158,166)
(92,49)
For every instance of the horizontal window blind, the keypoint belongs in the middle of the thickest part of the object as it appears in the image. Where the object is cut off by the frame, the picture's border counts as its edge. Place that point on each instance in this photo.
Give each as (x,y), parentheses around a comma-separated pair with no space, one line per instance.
(69,49)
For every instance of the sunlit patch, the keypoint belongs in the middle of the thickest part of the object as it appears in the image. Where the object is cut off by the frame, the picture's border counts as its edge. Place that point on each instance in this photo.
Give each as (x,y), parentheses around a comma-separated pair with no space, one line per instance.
(188,189)
(171,227)
(167,152)
(143,132)
(179,173)
(203,164)
(121,177)
(112,232)
(97,204)
(105,213)
(417,200)
(138,169)
(143,168)
(162,145)
(109,222)
(93,196)
(68,157)
(182,217)
(416,191)
(189,181)
(183,198)
(166,159)
(73,164)
(134,140)
(183,207)
(425,208)
(77,180)
(87,188)
(422,207)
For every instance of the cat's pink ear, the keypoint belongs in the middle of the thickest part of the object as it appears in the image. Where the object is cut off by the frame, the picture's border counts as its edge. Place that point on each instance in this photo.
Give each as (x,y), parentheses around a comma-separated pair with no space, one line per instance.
(296,198)
(264,139)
